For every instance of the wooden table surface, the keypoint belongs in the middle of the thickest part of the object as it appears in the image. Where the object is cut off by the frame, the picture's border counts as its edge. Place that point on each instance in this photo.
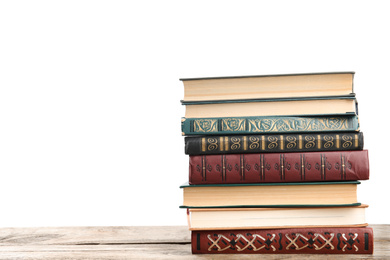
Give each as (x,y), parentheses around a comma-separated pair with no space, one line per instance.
(135,243)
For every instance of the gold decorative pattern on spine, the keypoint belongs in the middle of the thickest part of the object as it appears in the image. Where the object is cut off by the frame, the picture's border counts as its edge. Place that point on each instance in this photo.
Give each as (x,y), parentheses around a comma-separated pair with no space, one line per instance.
(226,143)
(298,241)
(319,141)
(215,245)
(300,141)
(347,141)
(236,143)
(328,141)
(337,141)
(205,125)
(273,142)
(212,144)
(233,124)
(356,141)
(245,143)
(203,144)
(310,141)
(221,143)
(254,142)
(292,142)
(263,142)
(287,124)
(281,142)
(270,125)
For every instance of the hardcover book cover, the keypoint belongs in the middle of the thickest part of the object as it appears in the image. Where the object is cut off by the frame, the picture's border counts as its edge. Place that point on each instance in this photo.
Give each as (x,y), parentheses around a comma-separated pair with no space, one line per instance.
(357,240)
(276,217)
(269,195)
(268,86)
(257,143)
(293,107)
(279,167)
(279,124)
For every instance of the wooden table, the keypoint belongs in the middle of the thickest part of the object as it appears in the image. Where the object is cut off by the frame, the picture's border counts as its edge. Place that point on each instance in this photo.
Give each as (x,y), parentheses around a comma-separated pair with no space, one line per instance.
(134,243)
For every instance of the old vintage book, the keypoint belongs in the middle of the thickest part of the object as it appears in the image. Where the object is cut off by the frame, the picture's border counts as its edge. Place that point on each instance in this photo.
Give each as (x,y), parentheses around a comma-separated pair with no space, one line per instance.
(310,240)
(261,218)
(257,143)
(269,125)
(294,194)
(279,167)
(268,86)
(246,108)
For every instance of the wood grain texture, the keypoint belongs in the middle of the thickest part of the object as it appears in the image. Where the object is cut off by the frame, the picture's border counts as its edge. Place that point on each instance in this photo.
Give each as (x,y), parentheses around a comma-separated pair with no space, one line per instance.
(134,243)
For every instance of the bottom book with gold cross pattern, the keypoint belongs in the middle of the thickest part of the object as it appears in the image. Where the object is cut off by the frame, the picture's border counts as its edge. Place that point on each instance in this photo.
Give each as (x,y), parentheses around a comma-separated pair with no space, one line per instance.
(310,240)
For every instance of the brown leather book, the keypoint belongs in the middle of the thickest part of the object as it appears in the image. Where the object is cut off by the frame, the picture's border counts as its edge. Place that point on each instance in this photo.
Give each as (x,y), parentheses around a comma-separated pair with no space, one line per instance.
(349,240)
(279,167)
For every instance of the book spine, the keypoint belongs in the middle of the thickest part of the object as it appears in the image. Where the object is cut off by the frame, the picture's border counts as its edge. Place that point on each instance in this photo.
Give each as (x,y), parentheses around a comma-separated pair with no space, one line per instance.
(339,141)
(280,124)
(358,240)
(279,167)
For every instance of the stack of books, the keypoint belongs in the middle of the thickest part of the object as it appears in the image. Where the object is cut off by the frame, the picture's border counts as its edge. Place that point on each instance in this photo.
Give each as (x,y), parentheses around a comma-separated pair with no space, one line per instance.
(274,165)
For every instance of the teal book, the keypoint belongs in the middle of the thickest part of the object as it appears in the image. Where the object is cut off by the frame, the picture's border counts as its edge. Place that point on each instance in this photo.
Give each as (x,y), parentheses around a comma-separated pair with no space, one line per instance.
(269,124)
(252,195)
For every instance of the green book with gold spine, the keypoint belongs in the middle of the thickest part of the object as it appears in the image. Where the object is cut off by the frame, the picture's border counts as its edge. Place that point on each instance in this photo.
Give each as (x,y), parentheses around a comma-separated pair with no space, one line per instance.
(269,124)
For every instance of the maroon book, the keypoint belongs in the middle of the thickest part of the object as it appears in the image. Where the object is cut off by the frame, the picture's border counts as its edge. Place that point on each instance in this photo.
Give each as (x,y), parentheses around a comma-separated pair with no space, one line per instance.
(279,167)
(358,240)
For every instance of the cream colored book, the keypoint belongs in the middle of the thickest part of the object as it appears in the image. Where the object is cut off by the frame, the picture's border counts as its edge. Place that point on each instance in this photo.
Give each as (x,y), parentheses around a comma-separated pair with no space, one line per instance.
(270,194)
(296,107)
(261,218)
(268,86)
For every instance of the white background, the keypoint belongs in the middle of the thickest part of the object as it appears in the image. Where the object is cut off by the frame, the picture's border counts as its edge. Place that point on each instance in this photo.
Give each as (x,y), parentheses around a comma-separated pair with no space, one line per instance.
(90,96)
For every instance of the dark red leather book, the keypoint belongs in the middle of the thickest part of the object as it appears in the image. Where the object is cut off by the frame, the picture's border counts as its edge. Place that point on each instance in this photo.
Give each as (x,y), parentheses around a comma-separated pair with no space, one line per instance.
(279,167)
(358,240)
